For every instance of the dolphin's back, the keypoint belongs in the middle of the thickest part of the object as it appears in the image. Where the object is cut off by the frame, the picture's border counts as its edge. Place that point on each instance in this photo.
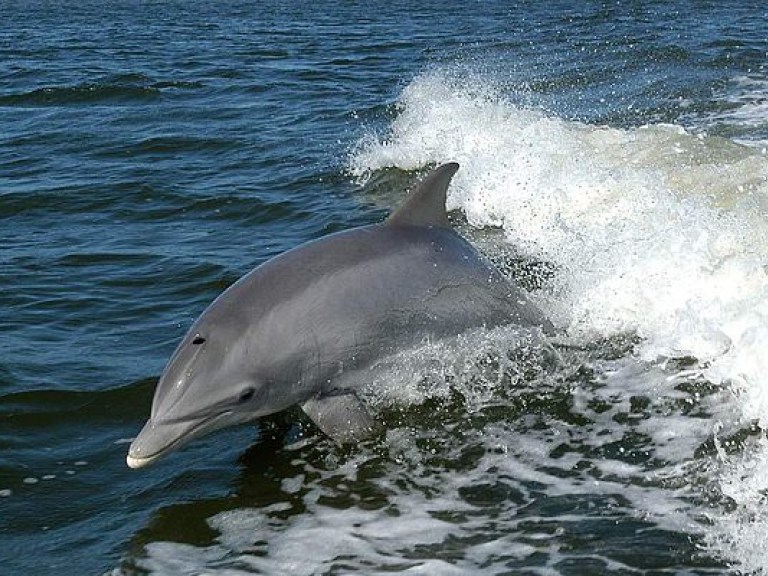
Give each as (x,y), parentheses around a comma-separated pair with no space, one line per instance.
(340,302)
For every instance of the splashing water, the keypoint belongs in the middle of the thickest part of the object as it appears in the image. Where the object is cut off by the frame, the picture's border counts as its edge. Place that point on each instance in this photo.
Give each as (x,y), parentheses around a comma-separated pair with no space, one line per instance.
(653,231)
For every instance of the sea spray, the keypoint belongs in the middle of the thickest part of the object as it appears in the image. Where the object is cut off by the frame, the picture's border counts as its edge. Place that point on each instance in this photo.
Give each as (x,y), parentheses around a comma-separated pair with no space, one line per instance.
(657,231)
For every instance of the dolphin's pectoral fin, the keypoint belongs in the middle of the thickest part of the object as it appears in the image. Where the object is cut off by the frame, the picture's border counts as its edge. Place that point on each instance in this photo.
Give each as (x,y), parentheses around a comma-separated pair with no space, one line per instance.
(341,416)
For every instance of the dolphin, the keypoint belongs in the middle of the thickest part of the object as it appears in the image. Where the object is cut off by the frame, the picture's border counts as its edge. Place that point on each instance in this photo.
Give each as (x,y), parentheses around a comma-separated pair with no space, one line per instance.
(302,328)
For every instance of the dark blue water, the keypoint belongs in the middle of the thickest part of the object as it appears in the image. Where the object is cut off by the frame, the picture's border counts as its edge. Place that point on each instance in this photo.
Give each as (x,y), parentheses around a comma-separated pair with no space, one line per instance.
(153,152)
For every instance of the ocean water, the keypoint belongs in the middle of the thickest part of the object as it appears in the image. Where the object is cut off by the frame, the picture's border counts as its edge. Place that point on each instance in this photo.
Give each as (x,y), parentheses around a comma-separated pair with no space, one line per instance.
(614,162)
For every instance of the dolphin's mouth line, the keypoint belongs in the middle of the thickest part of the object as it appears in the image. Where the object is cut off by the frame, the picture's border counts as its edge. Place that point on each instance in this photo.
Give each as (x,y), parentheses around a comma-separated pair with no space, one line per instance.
(141,461)
(202,415)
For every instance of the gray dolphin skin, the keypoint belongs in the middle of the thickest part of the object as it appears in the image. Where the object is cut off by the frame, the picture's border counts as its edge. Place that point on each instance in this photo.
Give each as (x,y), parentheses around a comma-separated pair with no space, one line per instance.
(302,328)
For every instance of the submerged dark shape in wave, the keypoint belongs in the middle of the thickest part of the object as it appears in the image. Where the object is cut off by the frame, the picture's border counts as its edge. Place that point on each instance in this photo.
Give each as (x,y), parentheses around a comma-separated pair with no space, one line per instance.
(119,89)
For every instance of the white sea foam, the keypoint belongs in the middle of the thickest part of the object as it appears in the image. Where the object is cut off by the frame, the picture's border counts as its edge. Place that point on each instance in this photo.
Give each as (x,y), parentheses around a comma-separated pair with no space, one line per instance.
(435,520)
(640,243)
(746,112)
(652,231)
(744,480)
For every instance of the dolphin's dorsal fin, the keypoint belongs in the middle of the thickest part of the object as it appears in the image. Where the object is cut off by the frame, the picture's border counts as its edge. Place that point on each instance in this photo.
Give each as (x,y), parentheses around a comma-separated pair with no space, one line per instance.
(426,204)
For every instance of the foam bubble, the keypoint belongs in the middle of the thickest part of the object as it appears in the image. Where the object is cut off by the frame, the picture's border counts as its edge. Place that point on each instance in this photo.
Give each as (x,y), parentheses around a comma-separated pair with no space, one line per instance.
(739,534)
(746,110)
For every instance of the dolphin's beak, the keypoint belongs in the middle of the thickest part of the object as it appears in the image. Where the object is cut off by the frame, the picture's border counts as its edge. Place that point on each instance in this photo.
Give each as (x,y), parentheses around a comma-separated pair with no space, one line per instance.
(160,437)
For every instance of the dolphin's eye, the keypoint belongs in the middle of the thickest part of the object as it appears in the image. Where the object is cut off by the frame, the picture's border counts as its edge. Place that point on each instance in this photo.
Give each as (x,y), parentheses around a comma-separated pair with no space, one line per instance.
(246,395)
(198,340)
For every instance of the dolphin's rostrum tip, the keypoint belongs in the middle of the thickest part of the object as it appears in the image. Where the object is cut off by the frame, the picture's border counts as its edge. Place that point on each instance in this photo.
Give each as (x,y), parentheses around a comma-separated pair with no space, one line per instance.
(136,462)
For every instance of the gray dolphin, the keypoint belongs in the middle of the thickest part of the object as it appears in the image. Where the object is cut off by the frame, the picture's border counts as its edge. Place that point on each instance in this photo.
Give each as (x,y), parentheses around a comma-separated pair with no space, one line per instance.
(302,328)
